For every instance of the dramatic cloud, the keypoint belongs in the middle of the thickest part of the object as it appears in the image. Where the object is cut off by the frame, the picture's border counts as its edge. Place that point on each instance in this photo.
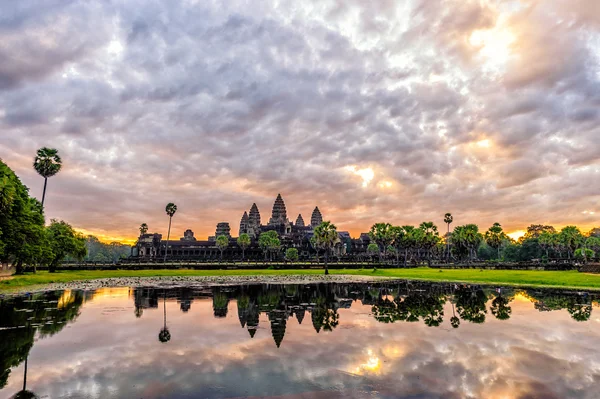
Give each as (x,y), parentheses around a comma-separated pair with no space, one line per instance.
(399,111)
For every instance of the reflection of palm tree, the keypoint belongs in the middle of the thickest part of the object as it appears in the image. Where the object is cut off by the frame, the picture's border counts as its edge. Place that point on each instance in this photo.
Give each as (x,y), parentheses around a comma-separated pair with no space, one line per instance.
(24,393)
(454,321)
(164,335)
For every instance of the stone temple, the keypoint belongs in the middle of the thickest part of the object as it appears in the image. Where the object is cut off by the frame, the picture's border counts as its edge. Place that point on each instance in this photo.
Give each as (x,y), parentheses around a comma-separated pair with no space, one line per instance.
(291,234)
(316,218)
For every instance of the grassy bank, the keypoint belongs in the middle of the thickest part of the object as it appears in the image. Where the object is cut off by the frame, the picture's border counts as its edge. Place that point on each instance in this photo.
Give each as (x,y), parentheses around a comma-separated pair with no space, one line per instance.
(556,279)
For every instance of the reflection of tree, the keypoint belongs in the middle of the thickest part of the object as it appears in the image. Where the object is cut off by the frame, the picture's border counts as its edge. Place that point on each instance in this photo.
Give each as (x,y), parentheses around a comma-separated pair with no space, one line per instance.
(385,311)
(454,321)
(579,311)
(500,308)
(428,306)
(578,306)
(22,317)
(24,393)
(470,304)
(164,335)
(220,304)
(324,316)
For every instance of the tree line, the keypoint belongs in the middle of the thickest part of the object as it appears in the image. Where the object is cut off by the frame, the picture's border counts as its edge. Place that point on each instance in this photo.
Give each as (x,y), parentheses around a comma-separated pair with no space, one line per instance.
(466,243)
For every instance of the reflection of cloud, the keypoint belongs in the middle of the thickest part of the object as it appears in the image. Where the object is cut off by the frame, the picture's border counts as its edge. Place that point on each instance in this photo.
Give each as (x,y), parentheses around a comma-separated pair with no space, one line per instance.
(242,103)
(113,354)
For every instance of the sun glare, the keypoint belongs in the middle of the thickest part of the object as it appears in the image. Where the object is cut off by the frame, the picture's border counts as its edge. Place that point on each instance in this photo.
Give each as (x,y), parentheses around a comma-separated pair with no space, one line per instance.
(371,365)
(515,235)
(494,45)
(366,174)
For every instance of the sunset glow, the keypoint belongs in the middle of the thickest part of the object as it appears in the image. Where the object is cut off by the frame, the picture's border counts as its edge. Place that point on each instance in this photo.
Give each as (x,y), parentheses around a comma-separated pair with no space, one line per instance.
(397,110)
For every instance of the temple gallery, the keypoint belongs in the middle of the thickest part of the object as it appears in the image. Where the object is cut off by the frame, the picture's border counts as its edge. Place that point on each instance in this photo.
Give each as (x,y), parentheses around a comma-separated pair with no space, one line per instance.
(296,234)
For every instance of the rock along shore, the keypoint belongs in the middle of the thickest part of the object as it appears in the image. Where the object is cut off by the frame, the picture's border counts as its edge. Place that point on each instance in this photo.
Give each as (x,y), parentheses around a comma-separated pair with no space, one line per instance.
(195,282)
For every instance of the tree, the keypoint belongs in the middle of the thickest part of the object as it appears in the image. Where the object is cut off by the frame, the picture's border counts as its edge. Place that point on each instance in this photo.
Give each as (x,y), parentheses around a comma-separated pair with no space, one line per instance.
(143,229)
(494,237)
(22,231)
(63,241)
(269,242)
(291,254)
(222,244)
(398,241)
(372,250)
(571,238)
(243,242)
(47,163)
(429,238)
(584,254)
(409,240)
(535,230)
(382,235)
(170,209)
(593,243)
(547,240)
(448,219)
(466,239)
(325,237)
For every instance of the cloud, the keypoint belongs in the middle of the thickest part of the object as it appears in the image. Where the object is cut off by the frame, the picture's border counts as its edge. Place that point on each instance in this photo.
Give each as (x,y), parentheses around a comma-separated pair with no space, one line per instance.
(216,107)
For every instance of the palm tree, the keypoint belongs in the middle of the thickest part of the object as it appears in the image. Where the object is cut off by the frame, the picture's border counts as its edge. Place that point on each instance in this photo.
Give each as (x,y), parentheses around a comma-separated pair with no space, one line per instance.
(429,238)
(448,219)
(222,244)
(243,242)
(164,335)
(495,236)
(325,237)
(143,229)
(171,208)
(47,163)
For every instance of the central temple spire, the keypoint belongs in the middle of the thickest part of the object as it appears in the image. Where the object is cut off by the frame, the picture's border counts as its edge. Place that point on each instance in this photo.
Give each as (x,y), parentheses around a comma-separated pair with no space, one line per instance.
(279,215)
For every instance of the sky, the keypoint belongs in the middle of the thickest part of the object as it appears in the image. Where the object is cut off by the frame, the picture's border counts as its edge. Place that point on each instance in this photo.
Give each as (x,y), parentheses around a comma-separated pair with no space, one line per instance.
(395,111)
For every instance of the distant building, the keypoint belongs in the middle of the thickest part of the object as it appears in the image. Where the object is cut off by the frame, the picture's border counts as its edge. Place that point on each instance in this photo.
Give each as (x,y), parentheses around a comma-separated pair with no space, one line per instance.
(292,235)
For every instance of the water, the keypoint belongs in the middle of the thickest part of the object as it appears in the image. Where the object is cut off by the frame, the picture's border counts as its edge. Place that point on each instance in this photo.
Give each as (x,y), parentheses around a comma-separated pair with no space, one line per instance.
(318,341)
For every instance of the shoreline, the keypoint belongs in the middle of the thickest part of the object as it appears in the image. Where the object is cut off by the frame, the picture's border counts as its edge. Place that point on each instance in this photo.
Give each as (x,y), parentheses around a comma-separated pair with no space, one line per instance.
(44,281)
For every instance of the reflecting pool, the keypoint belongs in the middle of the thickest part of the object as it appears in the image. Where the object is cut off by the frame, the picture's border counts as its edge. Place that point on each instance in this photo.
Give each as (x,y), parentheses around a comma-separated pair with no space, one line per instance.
(388,340)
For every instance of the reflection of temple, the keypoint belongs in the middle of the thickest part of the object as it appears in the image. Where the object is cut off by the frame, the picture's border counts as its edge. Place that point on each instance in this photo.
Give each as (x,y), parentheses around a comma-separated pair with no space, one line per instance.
(292,234)
(389,302)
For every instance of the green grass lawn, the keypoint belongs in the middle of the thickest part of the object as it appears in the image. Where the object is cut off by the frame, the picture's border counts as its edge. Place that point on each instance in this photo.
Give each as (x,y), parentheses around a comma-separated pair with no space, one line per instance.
(556,279)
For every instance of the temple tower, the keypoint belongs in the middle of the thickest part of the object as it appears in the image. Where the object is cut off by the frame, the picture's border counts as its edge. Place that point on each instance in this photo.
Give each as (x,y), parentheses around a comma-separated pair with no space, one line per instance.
(253,227)
(244,224)
(316,218)
(279,214)
(188,235)
(300,221)
(223,229)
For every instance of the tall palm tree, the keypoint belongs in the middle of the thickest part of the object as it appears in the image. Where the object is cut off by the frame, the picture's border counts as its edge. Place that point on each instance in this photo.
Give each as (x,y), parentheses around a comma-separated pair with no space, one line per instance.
(325,236)
(164,335)
(143,229)
(171,208)
(448,219)
(47,163)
